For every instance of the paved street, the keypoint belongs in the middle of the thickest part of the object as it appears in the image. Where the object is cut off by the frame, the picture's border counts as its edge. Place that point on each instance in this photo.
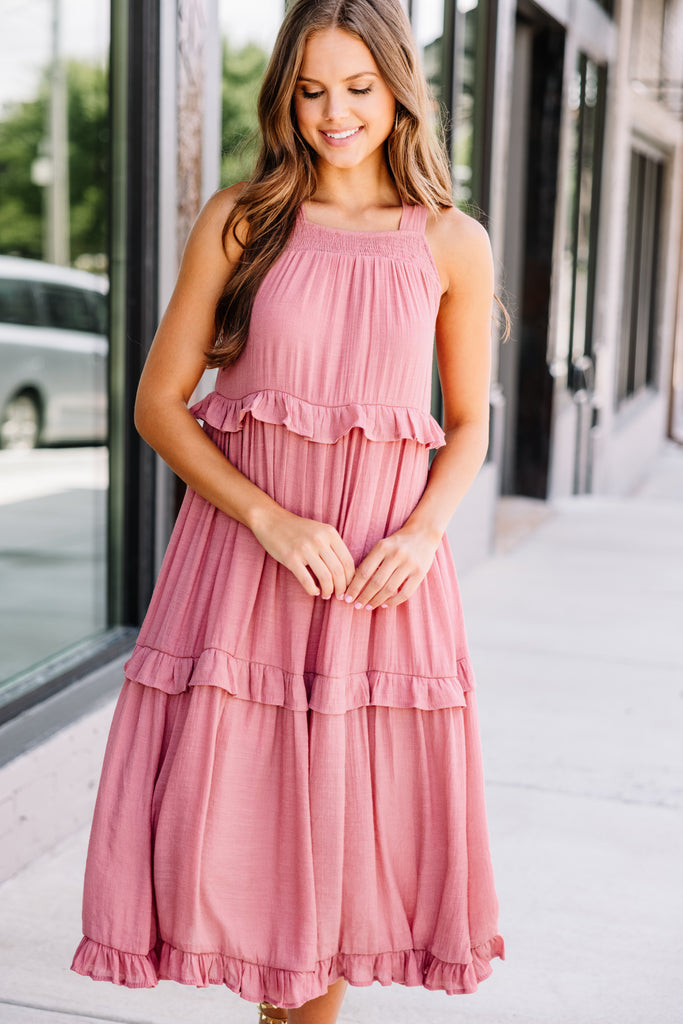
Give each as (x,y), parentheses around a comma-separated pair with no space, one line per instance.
(575,630)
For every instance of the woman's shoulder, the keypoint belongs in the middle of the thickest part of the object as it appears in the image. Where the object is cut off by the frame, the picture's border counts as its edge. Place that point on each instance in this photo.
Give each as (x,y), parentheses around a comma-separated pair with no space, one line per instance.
(220,205)
(221,202)
(459,242)
(206,249)
(451,228)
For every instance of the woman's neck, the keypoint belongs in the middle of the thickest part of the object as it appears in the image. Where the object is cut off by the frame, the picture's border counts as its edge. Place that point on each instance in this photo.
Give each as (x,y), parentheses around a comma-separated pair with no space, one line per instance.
(356,191)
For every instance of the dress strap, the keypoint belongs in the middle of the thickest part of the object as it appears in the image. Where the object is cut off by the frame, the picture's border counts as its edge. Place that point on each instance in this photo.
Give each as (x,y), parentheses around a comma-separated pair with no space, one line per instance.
(414,218)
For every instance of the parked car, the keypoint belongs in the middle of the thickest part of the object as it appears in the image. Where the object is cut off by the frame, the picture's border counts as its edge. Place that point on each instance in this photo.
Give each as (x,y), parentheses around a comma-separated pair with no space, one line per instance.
(53,355)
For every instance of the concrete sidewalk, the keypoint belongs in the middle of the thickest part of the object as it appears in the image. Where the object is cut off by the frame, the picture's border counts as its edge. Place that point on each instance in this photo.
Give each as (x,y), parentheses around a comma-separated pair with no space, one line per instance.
(576,630)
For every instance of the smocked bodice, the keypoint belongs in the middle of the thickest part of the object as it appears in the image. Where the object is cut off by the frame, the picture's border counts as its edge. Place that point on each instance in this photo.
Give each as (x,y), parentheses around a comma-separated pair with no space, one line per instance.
(341,336)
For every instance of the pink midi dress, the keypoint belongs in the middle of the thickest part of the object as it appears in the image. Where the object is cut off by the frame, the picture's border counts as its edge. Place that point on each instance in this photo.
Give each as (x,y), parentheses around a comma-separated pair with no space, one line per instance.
(292,789)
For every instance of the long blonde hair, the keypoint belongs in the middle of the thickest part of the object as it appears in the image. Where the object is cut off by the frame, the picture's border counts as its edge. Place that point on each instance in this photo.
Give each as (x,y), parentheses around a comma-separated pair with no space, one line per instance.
(285,172)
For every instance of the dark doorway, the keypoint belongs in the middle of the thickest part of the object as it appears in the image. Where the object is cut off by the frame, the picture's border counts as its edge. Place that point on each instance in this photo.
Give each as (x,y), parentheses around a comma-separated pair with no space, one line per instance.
(535,137)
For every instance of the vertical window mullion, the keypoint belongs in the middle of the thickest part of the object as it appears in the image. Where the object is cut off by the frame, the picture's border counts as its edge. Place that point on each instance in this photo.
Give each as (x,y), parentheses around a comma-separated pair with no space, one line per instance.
(134,213)
(652,327)
(576,211)
(634,282)
(597,151)
(642,332)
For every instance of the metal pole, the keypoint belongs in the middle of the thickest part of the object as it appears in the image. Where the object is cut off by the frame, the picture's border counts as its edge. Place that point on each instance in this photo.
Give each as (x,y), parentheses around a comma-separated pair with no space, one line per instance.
(58,248)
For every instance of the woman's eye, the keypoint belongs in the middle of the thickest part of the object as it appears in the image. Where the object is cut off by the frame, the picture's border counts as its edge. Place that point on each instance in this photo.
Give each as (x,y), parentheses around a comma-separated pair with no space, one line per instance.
(316,95)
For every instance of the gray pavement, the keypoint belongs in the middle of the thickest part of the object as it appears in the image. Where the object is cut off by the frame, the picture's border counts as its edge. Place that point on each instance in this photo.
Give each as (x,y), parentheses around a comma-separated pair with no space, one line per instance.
(576,630)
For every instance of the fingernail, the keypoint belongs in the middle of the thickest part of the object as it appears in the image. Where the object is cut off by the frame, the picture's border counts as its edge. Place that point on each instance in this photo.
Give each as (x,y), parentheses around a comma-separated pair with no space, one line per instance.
(384,606)
(358,604)
(340,597)
(327,598)
(368,607)
(348,599)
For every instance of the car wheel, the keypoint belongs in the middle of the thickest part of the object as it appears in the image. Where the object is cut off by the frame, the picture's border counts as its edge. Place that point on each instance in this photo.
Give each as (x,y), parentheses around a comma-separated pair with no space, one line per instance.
(20,424)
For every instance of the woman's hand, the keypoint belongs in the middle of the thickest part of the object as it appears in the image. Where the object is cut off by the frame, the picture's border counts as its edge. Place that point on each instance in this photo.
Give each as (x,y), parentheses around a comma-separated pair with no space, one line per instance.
(392,571)
(311,550)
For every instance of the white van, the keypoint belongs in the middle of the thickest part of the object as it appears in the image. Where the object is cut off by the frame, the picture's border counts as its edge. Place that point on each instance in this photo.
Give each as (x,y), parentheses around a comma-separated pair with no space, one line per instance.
(53,355)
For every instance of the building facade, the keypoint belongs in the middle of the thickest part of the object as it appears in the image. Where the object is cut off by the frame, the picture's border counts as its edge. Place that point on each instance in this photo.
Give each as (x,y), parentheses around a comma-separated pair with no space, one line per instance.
(586,203)
(564,123)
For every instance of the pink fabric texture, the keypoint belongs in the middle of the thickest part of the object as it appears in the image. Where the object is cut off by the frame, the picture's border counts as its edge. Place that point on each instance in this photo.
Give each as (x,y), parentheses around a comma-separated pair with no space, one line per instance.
(292,789)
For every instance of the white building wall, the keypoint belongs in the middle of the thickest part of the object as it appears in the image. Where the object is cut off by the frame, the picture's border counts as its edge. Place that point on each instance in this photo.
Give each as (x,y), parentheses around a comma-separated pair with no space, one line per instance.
(622,445)
(629,435)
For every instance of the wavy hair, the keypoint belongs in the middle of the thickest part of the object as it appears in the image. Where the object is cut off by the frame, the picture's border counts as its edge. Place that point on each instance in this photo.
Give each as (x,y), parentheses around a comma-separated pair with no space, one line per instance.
(285,177)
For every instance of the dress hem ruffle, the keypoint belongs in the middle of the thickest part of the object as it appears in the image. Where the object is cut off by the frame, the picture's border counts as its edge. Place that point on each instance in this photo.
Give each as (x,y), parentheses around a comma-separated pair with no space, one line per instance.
(268,684)
(285,988)
(322,423)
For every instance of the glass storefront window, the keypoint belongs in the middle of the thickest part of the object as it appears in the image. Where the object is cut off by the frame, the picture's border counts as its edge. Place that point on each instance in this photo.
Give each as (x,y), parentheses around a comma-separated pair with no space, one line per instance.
(53,328)
(582,202)
(434,42)
(638,336)
(462,150)
(468,142)
(248,36)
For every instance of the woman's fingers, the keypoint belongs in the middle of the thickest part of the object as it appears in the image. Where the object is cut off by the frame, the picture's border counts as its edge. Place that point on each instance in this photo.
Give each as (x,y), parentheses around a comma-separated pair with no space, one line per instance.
(323,572)
(374,576)
(329,559)
(384,586)
(393,569)
(347,563)
(322,563)
(314,552)
(363,575)
(400,594)
(305,578)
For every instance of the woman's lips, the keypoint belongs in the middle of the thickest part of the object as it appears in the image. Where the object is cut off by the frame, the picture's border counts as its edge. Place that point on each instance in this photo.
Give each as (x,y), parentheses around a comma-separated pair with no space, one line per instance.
(342,138)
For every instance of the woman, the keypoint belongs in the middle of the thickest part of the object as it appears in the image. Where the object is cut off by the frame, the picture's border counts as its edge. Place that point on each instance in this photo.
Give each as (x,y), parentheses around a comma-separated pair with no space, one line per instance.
(292,794)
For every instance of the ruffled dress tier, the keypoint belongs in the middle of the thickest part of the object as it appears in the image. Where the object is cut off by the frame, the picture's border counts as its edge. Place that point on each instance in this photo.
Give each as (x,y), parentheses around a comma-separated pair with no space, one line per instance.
(292,789)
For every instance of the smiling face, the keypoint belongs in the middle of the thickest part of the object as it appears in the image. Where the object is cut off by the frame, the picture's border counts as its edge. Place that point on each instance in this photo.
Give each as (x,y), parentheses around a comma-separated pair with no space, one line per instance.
(344,108)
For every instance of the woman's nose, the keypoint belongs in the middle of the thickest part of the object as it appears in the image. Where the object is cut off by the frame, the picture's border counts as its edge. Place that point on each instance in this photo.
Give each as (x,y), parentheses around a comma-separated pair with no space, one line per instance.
(336,106)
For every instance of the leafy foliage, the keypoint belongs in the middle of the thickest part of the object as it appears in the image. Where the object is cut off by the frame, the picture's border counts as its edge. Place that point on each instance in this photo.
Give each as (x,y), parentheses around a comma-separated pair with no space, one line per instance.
(23,127)
(243,71)
(22,131)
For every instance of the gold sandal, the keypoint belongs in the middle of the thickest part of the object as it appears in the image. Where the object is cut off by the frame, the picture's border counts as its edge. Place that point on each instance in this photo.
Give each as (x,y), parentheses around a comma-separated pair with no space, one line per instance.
(266,1015)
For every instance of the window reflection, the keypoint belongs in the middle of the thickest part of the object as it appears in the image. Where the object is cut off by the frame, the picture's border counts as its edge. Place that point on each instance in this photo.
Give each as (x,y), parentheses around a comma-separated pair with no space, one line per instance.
(638,336)
(577,281)
(464,115)
(54,158)
(434,44)
(53,355)
(452,35)
(248,37)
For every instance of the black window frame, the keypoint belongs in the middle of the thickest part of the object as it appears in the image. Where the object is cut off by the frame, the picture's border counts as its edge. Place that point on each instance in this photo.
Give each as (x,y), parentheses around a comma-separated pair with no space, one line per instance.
(638,352)
(584,335)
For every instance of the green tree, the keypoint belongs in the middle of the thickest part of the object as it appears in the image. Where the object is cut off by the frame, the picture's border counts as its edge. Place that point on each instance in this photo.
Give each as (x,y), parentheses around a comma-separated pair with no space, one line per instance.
(243,71)
(22,130)
(21,211)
